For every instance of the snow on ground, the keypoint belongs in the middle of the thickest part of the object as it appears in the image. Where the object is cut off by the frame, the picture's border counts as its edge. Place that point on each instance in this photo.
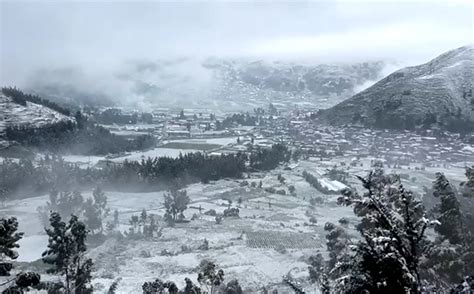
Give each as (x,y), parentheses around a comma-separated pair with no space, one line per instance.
(90,161)
(83,160)
(273,216)
(332,185)
(216,141)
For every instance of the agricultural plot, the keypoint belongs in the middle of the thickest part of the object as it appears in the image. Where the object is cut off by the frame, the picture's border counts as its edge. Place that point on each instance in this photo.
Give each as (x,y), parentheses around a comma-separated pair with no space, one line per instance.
(278,240)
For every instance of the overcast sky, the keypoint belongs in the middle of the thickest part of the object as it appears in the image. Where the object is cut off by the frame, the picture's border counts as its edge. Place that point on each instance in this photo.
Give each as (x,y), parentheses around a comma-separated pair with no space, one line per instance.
(102,33)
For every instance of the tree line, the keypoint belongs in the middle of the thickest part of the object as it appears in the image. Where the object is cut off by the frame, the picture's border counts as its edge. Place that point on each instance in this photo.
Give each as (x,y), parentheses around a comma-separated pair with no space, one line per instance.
(237,119)
(27,177)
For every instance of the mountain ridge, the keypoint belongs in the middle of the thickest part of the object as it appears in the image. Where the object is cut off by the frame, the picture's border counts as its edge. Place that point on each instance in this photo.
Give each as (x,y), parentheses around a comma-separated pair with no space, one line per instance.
(438,92)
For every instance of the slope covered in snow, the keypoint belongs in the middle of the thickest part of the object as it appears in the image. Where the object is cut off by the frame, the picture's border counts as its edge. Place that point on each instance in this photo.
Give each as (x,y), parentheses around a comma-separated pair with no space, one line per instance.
(438,92)
(32,114)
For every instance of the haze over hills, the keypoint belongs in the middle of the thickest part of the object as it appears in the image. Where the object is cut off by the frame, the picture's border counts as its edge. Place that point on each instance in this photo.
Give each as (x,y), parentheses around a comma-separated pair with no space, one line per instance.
(223,84)
(438,92)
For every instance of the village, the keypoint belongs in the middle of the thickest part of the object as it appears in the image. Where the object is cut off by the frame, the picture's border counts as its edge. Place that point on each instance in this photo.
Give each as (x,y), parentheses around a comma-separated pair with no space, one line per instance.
(189,130)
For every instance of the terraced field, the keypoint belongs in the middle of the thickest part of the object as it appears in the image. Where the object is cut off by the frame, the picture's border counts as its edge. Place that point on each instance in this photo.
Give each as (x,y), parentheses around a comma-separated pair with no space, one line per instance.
(278,240)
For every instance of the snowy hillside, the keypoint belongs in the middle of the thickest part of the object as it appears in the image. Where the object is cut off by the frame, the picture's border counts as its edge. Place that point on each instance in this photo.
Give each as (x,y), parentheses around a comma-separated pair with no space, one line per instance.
(32,114)
(437,92)
(289,83)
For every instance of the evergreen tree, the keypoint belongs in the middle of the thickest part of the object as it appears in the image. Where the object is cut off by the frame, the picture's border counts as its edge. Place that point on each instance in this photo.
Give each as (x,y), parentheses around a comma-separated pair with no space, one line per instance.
(450,217)
(316,268)
(3,196)
(100,205)
(92,216)
(393,243)
(116,218)
(452,256)
(143,217)
(272,109)
(66,252)
(9,236)
(467,187)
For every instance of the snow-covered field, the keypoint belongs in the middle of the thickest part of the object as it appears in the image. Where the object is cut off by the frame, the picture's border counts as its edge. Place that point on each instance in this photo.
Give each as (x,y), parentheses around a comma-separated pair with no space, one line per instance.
(275,218)
(90,161)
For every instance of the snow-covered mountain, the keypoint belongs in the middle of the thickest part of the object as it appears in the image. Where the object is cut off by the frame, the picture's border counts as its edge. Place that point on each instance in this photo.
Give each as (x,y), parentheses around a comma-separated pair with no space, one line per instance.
(289,83)
(438,92)
(222,84)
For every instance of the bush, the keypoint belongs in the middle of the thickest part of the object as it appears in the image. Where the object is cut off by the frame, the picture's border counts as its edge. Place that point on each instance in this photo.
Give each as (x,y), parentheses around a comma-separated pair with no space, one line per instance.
(344,221)
(231,212)
(145,254)
(281,249)
(292,190)
(211,212)
(204,245)
(244,183)
(166,252)
(185,248)
(233,287)
(280,192)
(270,190)
(316,200)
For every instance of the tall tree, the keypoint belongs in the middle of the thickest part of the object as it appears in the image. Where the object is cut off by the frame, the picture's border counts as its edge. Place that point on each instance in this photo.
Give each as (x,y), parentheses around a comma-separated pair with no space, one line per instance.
(9,237)
(387,258)
(66,252)
(452,256)
(176,202)
(96,210)
(448,210)
(210,276)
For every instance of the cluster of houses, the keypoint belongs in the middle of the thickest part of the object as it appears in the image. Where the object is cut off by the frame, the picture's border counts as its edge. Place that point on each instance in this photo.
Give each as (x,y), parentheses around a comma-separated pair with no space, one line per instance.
(395,147)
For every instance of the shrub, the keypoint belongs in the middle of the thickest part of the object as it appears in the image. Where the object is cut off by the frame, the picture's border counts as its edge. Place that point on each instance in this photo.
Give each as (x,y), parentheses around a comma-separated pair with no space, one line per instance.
(231,212)
(211,212)
(280,192)
(204,245)
(270,190)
